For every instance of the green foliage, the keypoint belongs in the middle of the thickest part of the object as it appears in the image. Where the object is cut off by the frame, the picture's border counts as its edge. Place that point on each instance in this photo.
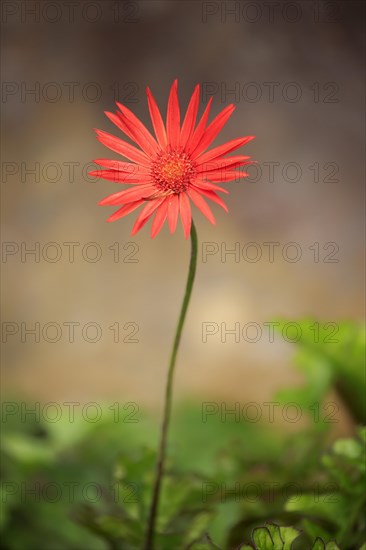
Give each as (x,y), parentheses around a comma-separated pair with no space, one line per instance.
(229,485)
(329,355)
(346,467)
(319,544)
(273,537)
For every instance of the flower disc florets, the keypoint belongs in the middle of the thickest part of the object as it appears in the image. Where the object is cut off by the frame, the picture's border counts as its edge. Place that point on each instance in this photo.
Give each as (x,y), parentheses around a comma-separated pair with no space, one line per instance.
(173,171)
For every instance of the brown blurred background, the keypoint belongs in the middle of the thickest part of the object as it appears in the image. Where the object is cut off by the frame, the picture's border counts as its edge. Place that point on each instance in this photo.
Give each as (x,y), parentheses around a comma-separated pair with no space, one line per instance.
(296,70)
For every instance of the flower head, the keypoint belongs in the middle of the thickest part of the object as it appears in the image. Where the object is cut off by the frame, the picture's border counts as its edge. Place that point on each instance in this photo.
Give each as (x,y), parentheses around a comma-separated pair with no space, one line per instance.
(169,170)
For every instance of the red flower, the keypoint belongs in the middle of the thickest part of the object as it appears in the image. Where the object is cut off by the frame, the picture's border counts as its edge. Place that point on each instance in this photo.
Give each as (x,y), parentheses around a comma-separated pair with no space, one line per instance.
(172,168)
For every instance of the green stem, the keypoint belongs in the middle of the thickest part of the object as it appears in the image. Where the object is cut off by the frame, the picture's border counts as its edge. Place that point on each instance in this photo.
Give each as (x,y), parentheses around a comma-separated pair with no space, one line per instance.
(159,474)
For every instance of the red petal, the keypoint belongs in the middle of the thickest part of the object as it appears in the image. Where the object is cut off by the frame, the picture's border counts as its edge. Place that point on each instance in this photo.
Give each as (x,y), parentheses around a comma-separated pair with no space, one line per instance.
(137,136)
(220,164)
(214,197)
(203,184)
(118,177)
(185,213)
(119,123)
(128,167)
(139,126)
(124,210)
(201,204)
(129,195)
(213,129)
(199,131)
(160,217)
(145,214)
(190,118)
(156,120)
(123,148)
(173,211)
(134,132)
(225,148)
(173,116)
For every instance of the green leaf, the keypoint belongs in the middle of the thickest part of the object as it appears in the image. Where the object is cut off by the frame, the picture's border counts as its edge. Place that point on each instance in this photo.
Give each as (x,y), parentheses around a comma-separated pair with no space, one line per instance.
(288,535)
(349,448)
(262,539)
(318,544)
(275,532)
(205,543)
(273,537)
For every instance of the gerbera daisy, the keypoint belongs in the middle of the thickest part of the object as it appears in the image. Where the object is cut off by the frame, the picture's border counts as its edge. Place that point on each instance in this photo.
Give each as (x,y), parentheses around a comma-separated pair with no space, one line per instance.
(172,168)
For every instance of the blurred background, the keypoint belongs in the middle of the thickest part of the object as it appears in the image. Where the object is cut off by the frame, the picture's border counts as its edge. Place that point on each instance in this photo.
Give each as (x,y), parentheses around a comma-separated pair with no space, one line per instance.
(294,72)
